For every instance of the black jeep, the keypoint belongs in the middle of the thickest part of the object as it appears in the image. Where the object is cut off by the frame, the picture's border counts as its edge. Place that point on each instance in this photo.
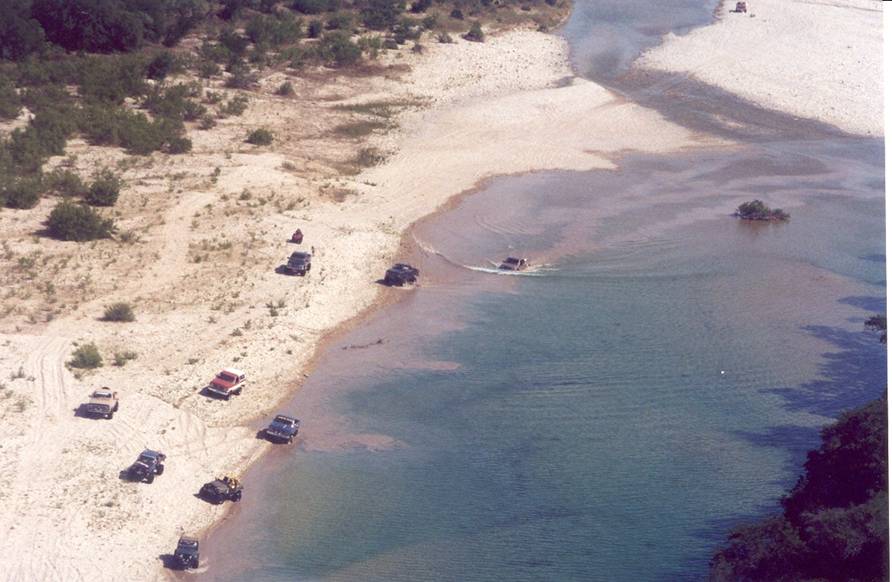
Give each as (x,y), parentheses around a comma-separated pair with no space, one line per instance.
(401,274)
(282,429)
(147,465)
(299,263)
(220,490)
(186,554)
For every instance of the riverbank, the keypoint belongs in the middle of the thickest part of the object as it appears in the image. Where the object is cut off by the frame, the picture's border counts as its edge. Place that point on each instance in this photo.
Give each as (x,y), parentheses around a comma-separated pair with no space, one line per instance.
(469,111)
(818,60)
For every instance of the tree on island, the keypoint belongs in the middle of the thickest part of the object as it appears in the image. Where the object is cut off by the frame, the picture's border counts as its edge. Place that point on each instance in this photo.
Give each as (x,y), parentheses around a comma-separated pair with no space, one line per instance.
(758,210)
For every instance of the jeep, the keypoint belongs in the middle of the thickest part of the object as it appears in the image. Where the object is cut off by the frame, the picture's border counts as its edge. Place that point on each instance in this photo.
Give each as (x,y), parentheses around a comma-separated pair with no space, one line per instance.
(401,274)
(226,383)
(513,264)
(299,263)
(222,489)
(147,465)
(282,429)
(102,402)
(186,554)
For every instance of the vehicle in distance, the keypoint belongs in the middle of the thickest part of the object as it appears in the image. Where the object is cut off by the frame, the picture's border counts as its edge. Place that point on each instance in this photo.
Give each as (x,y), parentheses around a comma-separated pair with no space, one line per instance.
(227,382)
(513,264)
(220,490)
(186,554)
(147,465)
(401,274)
(102,402)
(282,429)
(299,263)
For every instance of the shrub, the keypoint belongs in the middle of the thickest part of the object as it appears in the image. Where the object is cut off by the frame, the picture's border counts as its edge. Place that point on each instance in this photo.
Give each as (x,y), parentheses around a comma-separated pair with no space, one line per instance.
(475,34)
(275,30)
(420,6)
(235,106)
(118,312)
(313,6)
(104,190)
(340,21)
(208,69)
(179,145)
(86,356)
(65,183)
(162,65)
(286,89)
(260,137)
(444,37)
(337,50)
(22,193)
(76,222)
(457,14)
(10,102)
(242,77)
(314,28)
(382,14)
(206,122)
(121,358)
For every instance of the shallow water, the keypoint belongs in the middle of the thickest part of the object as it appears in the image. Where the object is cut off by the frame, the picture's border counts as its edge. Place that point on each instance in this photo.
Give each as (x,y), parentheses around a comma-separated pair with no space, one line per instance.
(610,414)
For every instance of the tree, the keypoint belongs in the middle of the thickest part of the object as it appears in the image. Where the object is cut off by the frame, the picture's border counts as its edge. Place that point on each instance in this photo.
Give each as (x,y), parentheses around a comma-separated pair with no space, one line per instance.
(76,222)
(104,190)
(20,34)
(382,14)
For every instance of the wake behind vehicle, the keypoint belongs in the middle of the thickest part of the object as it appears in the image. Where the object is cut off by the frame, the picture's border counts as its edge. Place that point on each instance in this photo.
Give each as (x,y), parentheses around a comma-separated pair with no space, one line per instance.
(401,274)
(299,263)
(186,554)
(147,465)
(222,489)
(102,402)
(227,382)
(513,264)
(282,429)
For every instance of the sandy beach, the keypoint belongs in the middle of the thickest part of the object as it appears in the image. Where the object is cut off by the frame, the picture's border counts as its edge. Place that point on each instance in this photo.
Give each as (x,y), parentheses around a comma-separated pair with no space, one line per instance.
(818,60)
(212,227)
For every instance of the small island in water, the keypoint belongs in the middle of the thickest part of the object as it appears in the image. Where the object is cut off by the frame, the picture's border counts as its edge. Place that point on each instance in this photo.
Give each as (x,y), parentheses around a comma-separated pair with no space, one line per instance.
(757,210)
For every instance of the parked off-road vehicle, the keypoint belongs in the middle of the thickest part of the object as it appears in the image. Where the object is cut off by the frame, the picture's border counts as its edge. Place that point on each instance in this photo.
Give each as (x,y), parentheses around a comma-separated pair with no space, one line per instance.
(282,429)
(299,263)
(227,382)
(186,554)
(222,489)
(102,402)
(147,465)
(401,274)
(513,264)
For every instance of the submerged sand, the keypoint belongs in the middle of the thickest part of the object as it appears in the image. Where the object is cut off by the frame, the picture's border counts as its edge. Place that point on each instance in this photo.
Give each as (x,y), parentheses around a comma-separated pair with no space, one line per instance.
(818,60)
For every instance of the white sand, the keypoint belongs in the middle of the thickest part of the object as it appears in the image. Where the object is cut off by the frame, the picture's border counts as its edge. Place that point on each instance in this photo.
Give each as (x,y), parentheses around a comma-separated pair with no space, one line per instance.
(64,514)
(818,59)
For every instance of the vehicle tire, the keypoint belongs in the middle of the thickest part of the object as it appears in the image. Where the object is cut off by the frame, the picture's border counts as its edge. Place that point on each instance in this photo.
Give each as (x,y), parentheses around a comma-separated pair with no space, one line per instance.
(160,469)
(290,440)
(150,478)
(238,392)
(117,404)
(110,415)
(193,563)
(237,497)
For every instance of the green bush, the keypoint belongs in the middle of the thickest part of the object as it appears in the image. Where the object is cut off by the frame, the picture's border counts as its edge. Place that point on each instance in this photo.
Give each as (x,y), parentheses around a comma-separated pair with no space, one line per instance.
(104,190)
(241,78)
(10,102)
(314,6)
(22,193)
(207,69)
(179,145)
(314,29)
(475,34)
(118,312)
(86,356)
(283,28)
(77,222)
(260,137)
(162,65)
(336,49)
(286,89)
(121,358)
(235,106)
(65,183)
(382,14)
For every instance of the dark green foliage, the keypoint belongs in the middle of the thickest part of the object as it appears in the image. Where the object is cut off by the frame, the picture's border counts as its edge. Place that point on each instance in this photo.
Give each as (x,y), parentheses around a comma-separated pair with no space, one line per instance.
(283,28)
(241,77)
(86,356)
(475,34)
(162,65)
(260,137)
(406,30)
(10,102)
(118,312)
(104,190)
(314,29)
(233,42)
(758,210)
(235,106)
(22,193)
(340,21)
(178,145)
(457,14)
(77,222)
(20,34)
(65,183)
(336,49)
(382,14)
(877,323)
(173,103)
(128,129)
(420,6)
(835,520)
(111,79)
(315,6)
(286,89)
(207,69)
